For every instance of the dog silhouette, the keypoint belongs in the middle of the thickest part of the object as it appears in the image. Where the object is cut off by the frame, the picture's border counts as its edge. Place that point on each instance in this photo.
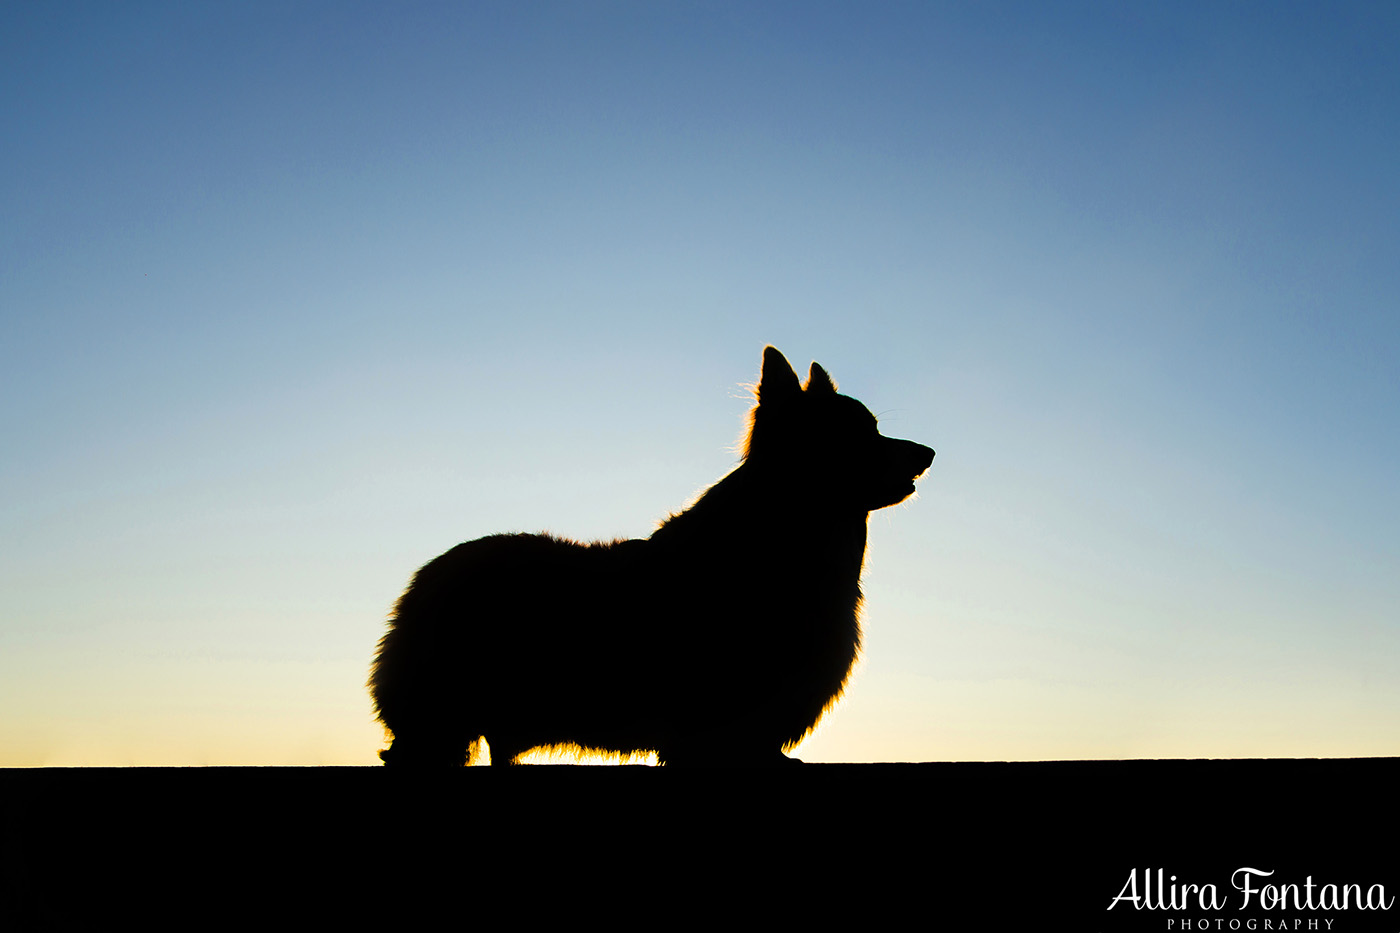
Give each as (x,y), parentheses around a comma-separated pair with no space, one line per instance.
(723,637)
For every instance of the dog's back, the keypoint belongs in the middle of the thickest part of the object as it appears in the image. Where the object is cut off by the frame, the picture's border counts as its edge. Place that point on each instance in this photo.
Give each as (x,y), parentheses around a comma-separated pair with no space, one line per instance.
(728,632)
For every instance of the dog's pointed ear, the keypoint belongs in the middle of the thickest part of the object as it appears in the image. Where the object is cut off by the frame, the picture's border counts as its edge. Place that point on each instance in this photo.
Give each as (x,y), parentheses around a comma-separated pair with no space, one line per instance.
(819,382)
(778,381)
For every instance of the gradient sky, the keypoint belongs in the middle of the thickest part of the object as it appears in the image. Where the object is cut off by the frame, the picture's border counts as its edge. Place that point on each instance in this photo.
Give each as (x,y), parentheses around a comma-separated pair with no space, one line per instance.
(296,296)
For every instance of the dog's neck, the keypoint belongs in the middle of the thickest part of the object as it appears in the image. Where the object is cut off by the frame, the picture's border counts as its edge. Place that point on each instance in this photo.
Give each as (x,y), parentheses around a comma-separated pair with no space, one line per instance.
(762,508)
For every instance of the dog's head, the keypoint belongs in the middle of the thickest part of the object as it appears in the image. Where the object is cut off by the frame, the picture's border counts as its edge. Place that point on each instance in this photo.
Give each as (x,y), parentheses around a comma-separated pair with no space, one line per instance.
(827,443)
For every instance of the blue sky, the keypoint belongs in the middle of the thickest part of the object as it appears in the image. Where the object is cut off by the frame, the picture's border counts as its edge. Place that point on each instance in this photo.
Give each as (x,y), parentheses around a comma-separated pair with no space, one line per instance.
(296,296)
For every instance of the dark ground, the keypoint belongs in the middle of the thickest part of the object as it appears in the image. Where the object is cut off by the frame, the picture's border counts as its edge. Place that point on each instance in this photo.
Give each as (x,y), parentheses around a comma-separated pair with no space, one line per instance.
(988,846)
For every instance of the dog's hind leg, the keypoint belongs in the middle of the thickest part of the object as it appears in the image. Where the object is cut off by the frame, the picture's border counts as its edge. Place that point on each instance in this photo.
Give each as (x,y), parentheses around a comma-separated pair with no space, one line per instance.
(428,751)
(505,749)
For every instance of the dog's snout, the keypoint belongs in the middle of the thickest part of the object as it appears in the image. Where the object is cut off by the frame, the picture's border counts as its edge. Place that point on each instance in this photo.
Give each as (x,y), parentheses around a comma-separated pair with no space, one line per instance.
(920,457)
